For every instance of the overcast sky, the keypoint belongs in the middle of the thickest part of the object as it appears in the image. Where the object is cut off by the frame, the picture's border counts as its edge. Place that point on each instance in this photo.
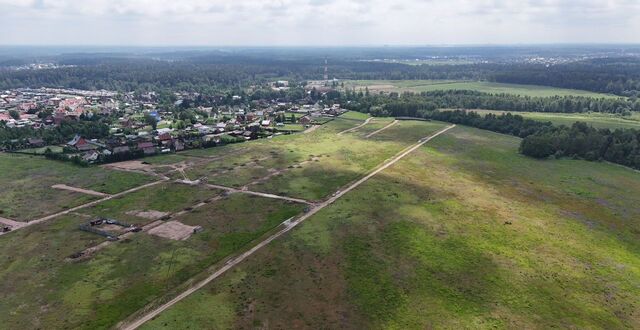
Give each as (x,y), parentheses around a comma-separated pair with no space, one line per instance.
(317,22)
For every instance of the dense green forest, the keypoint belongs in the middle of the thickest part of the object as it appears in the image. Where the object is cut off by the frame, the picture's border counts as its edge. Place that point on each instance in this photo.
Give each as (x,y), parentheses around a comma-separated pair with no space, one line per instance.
(212,71)
(620,146)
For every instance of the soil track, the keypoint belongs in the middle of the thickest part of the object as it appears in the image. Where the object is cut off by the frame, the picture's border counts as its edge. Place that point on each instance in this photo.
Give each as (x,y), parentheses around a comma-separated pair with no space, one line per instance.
(356,127)
(382,129)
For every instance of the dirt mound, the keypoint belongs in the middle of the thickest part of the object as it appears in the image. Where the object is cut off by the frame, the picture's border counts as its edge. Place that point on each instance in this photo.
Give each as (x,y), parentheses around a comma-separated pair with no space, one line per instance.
(174,230)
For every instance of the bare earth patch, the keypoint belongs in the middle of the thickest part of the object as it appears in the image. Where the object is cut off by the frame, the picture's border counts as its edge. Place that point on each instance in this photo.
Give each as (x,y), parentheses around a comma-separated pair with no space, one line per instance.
(130,165)
(173,230)
(149,214)
(115,229)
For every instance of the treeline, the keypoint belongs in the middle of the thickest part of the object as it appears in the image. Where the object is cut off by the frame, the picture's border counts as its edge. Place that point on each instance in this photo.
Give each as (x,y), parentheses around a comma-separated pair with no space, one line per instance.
(13,137)
(506,123)
(412,104)
(543,140)
(620,146)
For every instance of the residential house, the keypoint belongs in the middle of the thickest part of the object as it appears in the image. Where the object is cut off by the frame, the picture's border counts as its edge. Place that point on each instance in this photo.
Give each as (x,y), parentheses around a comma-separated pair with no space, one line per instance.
(81,144)
(90,156)
(147,147)
(36,142)
(305,120)
(121,150)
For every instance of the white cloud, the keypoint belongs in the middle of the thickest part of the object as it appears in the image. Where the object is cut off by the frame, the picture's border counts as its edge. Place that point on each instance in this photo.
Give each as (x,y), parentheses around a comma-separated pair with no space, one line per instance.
(212,22)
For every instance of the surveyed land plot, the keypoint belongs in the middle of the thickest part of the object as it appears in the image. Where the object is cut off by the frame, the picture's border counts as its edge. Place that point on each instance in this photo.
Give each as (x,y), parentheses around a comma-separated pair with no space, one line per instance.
(101,290)
(26,185)
(113,280)
(287,226)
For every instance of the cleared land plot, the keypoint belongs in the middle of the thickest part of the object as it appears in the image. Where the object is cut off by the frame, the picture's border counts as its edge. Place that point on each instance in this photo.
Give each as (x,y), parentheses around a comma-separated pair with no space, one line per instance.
(39,289)
(418,86)
(26,184)
(164,198)
(598,120)
(465,233)
(175,230)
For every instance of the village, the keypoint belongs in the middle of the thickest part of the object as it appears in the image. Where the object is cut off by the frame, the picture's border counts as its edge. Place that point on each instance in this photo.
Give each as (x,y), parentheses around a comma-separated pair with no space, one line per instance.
(140,124)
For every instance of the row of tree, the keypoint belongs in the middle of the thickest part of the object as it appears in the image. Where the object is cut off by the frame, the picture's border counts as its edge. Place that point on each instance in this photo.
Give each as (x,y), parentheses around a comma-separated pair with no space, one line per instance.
(410,104)
(620,146)
(542,139)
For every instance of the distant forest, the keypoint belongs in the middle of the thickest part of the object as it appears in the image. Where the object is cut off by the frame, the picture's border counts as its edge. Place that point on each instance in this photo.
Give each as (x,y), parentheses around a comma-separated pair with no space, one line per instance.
(619,76)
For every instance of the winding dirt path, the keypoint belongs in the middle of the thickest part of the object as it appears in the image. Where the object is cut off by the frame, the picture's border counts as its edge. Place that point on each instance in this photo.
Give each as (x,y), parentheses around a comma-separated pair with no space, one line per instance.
(356,127)
(382,129)
(287,226)
(311,129)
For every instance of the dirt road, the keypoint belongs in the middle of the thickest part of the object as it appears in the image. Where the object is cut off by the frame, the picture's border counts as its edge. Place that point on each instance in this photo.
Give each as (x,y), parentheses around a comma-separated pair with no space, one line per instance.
(311,129)
(287,226)
(11,223)
(79,190)
(382,129)
(355,128)
(255,193)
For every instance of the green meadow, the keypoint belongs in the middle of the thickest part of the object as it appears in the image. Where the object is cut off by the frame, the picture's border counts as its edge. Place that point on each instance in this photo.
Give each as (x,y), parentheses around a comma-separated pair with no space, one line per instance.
(595,119)
(463,233)
(418,86)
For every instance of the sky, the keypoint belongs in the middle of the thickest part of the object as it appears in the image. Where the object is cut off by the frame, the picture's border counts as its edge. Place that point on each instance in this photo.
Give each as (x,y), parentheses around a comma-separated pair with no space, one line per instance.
(317,22)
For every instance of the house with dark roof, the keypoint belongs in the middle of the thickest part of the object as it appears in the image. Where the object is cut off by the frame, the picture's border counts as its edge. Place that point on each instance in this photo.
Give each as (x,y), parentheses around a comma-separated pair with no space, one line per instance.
(36,142)
(121,150)
(147,147)
(81,144)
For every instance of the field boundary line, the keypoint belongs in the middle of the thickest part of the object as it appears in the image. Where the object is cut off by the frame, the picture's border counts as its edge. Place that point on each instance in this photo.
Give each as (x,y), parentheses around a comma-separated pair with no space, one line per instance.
(288,225)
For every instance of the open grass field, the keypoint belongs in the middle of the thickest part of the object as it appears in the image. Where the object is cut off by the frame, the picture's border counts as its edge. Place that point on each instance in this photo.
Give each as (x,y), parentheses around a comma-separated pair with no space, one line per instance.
(40,286)
(463,233)
(595,119)
(418,86)
(25,185)
(308,166)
